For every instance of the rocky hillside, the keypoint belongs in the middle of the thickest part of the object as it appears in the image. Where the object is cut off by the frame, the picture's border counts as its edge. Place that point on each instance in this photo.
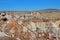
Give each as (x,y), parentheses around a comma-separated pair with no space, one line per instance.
(30,25)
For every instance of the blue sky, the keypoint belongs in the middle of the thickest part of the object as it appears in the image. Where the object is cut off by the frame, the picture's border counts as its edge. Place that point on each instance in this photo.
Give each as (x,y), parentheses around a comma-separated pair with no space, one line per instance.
(29,4)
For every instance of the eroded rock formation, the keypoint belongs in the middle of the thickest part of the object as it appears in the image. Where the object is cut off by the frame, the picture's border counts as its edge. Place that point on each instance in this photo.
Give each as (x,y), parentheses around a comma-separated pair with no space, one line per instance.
(28,27)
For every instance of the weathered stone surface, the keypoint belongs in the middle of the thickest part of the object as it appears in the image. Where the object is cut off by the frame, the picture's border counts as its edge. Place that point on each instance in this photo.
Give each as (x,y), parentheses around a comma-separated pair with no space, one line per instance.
(28,26)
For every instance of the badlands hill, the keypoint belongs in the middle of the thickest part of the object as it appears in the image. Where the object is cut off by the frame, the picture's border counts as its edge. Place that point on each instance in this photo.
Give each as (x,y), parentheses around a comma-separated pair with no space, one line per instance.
(30,25)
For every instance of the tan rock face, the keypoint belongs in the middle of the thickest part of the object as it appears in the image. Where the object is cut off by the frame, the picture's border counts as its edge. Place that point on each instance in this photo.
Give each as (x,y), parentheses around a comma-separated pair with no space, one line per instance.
(28,29)
(12,27)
